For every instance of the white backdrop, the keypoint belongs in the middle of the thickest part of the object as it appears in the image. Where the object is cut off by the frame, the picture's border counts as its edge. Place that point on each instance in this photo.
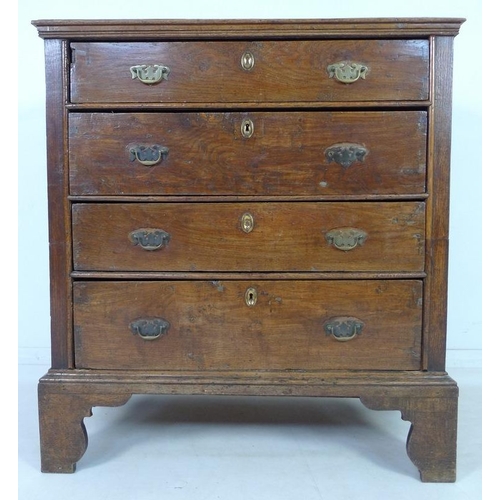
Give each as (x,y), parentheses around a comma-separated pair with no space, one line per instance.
(464,305)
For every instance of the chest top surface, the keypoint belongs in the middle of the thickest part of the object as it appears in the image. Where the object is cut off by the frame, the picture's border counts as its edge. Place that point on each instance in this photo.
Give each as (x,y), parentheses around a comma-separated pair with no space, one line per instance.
(282,28)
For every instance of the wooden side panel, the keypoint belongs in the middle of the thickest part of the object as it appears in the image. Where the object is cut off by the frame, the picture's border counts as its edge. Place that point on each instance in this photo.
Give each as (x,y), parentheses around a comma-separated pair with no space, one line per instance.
(283,71)
(59,209)
(213,328)
(285,236)
(436,283)
(286,154)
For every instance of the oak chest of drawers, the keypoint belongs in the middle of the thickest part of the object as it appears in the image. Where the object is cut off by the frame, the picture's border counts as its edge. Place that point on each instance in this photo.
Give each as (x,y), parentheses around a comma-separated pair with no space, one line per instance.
(249,208)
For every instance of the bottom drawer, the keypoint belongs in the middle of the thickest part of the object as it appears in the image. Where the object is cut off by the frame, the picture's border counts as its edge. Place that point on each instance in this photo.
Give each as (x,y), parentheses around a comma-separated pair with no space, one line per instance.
(248,325)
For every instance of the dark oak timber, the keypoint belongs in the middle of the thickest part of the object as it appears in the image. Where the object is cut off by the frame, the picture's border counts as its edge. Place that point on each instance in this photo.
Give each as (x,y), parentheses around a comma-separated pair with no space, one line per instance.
(426,399)
(56,66)
(189,106)
(282,330)
(250,208)
(207,154)
(63,437)
(285,237)
(215,276)
(174,29)
(438,179)
(284,71)
(433,420)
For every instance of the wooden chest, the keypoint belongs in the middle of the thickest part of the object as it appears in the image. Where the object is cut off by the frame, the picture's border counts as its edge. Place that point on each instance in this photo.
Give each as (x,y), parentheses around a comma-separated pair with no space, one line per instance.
(249,208)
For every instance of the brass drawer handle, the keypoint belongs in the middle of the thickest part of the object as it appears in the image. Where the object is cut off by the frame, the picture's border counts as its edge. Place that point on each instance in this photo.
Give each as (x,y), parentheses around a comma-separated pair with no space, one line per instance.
(246,223)
(148,155)
(346,153)
(346,238)
(347,71)
(149,239)
(247,61)
(149,328)
(343,328)
(150,73)
(251,297)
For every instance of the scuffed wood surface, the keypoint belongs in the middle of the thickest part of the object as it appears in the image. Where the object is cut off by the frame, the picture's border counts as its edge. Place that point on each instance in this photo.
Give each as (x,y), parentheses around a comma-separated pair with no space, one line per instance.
(207,154)
(286,237)
(284,71)
(212,328)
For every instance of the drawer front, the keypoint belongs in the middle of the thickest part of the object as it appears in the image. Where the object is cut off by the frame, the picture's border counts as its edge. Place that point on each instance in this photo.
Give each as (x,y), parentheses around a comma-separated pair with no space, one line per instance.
(287,236)
(285,153)
(248,72)
(312,325)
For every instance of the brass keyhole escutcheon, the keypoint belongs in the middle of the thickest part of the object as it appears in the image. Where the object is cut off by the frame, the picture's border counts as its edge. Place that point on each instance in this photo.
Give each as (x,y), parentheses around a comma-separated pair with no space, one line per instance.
(251,297)
(246,223)
(247,61)
(247,128)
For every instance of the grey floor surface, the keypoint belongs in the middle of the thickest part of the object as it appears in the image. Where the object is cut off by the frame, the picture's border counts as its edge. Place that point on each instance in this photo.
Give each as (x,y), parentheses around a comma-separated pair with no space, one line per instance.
(236,448)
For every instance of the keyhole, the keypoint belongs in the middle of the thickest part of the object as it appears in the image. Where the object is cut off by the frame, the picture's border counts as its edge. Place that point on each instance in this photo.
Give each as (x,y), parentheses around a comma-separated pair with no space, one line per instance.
(247,128)
(251,297)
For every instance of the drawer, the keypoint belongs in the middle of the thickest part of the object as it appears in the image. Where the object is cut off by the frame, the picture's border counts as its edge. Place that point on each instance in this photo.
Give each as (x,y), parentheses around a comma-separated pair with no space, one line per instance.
(250,71)
(201,325)
(285,153)
(284,236)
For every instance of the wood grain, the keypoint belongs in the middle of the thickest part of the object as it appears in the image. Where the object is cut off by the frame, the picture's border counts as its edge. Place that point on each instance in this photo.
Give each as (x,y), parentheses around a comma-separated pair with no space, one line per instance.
(59,208)
(395,283)
(283,71)
(437,227)
(63,436)
(431,443)
(427,399)
(231,106)
(285,155)
(206,29)
(212,328)
(286,236)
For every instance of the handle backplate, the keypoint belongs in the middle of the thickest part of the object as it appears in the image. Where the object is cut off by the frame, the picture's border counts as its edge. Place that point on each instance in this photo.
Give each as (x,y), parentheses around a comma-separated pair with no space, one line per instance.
(150,73)
(343,328)
(347,71)
(149,238)
(346,153)
(346,238)
(149,328)
(148,155)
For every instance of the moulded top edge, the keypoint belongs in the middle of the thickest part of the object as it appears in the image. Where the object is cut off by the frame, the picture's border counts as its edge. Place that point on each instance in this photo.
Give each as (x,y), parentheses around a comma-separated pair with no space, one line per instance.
(210,28)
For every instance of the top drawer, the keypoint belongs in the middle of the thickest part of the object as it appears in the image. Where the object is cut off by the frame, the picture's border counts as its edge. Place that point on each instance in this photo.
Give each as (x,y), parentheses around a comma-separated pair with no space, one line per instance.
(249,72)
